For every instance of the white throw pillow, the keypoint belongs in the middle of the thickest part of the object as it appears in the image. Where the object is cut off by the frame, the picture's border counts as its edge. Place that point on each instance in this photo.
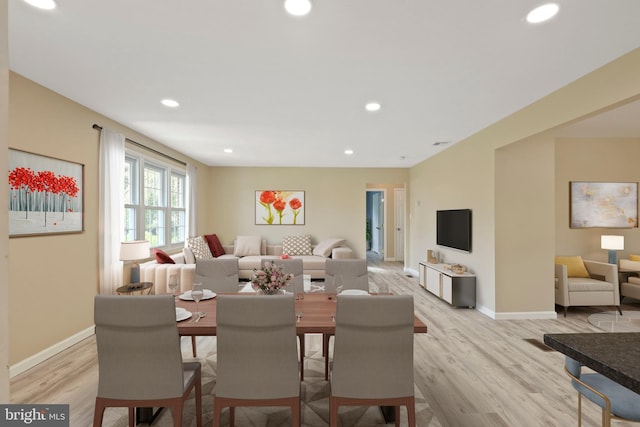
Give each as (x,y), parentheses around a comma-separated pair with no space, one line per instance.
(296,245)
(325,247)
(199,247)
(189,258)
(247,246)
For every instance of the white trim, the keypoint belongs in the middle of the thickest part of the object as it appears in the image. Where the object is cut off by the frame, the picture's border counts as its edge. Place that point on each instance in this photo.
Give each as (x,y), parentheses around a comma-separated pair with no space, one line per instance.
(45,354)
(526,315)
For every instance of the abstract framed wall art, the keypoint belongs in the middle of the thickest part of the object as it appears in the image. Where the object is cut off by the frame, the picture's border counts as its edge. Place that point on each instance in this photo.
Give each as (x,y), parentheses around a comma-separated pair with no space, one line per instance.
(279,207)
(604,204)
(46,195)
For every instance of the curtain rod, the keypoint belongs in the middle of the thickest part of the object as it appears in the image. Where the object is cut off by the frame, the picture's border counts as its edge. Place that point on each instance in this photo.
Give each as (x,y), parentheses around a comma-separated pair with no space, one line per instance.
(98,127)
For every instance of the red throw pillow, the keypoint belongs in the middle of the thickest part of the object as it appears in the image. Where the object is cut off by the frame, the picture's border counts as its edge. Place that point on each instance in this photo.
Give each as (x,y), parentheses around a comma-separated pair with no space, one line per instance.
(162,257)
(214,245)
(284,256)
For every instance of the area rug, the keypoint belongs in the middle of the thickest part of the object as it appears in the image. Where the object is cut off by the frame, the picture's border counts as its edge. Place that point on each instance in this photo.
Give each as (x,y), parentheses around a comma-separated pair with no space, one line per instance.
(612,321)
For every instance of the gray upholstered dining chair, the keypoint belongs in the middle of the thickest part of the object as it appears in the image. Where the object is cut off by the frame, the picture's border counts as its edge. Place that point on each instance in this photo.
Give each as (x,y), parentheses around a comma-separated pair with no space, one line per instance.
(293,266)
(139,357)
(616,401)
(373,354)
(351,273)
(257,360)
(218,275)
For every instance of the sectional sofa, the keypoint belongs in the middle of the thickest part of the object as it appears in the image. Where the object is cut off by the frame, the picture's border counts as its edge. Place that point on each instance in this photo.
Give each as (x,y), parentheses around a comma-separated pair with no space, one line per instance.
(183,264)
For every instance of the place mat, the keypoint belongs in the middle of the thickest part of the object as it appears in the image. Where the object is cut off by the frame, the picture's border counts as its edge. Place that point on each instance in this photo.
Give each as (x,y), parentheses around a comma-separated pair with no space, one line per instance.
(612,321)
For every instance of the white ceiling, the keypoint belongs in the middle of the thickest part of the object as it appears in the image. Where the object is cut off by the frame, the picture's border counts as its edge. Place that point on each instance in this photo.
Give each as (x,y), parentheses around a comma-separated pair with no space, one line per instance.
(285,91)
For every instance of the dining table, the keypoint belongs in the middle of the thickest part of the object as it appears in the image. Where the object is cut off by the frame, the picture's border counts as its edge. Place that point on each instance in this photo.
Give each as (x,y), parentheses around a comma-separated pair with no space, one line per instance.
(315,314)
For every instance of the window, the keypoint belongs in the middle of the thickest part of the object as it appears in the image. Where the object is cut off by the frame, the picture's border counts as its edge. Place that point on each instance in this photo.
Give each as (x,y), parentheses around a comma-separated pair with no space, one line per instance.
(155,202)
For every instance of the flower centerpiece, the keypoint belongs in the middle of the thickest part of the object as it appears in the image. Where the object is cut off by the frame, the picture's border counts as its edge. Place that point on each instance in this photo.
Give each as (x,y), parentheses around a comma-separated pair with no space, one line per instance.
(270,279)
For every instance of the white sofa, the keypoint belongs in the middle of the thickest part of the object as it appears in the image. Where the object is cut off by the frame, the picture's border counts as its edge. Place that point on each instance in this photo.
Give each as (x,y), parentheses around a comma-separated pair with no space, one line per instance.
(158,274)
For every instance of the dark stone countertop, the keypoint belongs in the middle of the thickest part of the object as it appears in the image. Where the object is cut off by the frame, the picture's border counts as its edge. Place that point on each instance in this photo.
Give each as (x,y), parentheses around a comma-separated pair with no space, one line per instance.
(614,355)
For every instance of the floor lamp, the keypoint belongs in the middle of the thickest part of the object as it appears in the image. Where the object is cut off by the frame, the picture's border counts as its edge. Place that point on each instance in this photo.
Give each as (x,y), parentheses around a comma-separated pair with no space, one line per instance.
(612,244)
(134,251)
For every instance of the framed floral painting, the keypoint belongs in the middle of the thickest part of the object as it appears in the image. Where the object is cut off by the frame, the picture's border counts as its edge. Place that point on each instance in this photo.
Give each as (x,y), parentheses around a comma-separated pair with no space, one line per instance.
(45,195)
(279,207)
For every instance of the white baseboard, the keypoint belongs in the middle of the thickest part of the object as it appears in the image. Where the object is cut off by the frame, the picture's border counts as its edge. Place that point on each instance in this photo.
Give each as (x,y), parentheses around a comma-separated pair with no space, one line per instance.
(527,315)
(517,315)
(40,357)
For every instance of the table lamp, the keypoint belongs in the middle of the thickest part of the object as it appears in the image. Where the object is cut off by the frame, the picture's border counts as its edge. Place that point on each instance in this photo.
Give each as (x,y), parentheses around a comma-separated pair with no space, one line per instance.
(133,251)
(612,244)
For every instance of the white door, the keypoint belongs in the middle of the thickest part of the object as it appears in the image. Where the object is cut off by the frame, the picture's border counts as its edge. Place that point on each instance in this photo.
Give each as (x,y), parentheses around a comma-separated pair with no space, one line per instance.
(398,194)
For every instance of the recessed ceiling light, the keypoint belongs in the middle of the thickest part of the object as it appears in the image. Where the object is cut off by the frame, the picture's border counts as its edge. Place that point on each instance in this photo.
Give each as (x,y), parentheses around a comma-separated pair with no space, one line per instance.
(170,103)
(297,7)
(42,4)
(542,13)
(348,152)
(372,106)
(228,150)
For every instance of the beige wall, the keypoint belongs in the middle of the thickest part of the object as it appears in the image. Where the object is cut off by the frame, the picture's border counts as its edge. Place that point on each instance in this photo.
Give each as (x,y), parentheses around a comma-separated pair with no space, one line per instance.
(54,278)
(593,159)
(465,176)
(334,197)
(525,225)
(461,177)
(4,219)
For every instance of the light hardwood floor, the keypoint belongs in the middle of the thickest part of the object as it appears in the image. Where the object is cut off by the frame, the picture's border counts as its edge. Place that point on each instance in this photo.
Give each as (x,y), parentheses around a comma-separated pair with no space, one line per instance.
(470,370)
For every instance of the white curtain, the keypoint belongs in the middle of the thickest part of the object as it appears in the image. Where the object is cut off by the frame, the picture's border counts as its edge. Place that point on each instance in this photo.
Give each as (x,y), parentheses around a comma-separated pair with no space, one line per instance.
(192,200)
(111,207)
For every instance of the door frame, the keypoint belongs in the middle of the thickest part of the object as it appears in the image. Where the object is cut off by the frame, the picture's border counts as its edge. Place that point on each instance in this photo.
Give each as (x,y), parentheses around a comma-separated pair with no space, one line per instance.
(399,213)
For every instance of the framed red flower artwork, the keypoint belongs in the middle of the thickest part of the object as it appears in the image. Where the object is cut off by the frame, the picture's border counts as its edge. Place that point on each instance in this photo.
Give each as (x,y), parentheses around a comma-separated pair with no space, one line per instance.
(46,195)
(279,207)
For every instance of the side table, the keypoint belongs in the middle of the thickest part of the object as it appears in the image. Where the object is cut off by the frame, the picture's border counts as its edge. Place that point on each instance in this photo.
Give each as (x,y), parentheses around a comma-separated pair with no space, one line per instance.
(137,287)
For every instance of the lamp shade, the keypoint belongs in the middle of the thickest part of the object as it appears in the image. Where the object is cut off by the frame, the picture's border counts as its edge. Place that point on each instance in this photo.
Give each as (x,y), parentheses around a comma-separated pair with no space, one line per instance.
(134,250)
(612,243)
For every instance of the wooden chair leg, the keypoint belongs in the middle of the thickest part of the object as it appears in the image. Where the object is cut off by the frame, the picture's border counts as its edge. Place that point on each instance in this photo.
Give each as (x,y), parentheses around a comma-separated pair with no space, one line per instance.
(411,412)
(98,413)
(396,412)
(302,353)
(177,414)
(232,416)
(198,393)
(193,346)
(132,416)
(295,414)
(333,412)
(217,413)
(325,350)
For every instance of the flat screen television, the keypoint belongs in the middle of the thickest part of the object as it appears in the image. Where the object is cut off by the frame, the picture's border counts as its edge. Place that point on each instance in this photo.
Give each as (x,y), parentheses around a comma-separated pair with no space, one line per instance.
(453,229)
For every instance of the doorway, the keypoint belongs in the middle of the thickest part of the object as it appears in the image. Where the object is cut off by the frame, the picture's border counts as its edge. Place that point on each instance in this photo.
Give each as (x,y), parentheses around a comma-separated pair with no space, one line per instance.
(376,222)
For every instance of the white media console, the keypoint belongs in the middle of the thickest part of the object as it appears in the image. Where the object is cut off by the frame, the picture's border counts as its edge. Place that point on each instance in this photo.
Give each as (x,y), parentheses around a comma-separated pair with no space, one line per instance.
(458,290)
